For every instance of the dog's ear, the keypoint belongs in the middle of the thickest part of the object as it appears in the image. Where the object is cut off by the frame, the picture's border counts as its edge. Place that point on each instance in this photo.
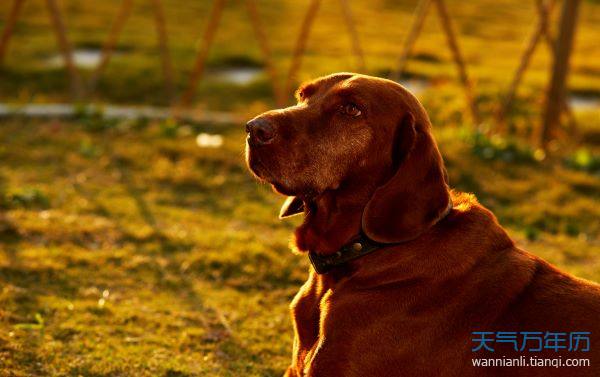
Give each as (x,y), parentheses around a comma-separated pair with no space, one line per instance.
(292,206)
(416,195)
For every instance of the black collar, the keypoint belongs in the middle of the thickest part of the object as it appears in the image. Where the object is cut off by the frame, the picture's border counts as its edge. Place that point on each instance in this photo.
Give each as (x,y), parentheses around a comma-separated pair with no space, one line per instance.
(350,251)
(359,247)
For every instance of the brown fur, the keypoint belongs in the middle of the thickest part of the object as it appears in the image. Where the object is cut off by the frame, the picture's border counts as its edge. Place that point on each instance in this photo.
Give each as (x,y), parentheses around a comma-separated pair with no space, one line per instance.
(408,309)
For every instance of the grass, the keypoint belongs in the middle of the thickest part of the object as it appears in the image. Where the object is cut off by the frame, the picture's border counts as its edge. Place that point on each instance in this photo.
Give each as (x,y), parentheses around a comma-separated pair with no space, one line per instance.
(150,256)
(129,250)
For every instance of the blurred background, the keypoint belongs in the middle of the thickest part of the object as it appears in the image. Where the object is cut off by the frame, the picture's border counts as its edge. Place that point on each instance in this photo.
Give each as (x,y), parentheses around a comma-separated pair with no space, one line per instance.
(132,239)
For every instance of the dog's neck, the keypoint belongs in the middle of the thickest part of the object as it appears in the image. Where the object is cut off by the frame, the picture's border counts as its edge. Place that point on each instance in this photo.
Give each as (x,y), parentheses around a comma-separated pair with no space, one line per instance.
(333,218)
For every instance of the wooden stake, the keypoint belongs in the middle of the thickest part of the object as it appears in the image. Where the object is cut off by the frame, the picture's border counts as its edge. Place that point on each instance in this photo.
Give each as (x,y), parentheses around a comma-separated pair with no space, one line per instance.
(65,47)
(13,15)
(572,122)
(415,29)
(460,65)
(560,68)
(209,34)
(309,17)
(111,41)
(544,9)
(266,51)
(351,26)
(163,44)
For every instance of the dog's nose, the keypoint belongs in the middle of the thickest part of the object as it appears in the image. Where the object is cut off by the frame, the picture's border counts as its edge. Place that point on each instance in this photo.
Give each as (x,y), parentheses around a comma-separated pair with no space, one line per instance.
(261,131)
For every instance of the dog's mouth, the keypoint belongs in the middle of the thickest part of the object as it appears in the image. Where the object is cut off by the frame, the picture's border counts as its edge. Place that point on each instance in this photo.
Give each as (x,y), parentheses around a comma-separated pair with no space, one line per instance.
(257,165)
(264,172)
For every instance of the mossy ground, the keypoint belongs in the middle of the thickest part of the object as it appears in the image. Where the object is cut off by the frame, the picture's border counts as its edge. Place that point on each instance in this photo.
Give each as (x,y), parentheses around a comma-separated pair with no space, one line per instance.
(132,251)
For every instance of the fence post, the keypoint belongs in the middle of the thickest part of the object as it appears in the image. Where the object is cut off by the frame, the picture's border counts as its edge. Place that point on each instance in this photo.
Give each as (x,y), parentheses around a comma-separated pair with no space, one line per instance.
(351,26)
(301,44)
(209,34)
(544,9)
(566,106)
(560,66)
(163,44)
(65,47)
(460,64)
(413,34)
(111,41)
(266,51)
(13,15)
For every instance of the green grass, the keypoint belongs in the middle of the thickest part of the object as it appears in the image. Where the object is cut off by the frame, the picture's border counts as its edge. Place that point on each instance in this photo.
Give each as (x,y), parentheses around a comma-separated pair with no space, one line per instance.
(128,250)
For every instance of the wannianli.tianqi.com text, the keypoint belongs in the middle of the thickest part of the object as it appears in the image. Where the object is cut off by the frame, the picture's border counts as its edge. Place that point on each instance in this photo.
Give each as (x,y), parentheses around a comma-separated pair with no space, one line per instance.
(530,361)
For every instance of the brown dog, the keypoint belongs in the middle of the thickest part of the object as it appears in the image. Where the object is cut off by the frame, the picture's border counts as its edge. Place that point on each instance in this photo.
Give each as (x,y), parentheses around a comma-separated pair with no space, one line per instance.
(409,278)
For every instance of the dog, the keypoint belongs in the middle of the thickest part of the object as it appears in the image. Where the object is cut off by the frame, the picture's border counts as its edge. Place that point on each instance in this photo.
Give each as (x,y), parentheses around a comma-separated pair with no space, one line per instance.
(407,274)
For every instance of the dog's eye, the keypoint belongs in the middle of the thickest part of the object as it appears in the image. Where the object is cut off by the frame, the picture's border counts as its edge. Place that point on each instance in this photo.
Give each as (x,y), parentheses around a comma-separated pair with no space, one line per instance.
(351,109)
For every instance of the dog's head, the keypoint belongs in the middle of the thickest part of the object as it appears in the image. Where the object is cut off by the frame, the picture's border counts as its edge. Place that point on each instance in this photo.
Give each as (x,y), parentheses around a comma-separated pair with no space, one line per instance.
(354,128)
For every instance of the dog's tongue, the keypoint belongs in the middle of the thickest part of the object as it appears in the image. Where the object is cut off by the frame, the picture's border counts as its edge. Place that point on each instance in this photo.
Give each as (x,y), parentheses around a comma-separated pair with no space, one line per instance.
(292,206)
